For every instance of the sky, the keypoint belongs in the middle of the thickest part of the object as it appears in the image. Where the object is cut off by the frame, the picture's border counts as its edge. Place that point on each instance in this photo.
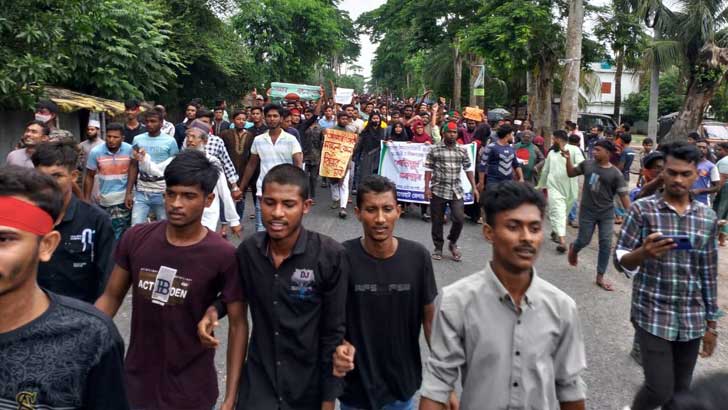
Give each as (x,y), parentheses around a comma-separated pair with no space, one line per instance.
(357,7)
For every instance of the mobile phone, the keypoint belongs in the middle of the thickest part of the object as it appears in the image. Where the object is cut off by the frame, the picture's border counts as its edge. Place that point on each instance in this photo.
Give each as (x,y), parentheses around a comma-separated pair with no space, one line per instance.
(682,241)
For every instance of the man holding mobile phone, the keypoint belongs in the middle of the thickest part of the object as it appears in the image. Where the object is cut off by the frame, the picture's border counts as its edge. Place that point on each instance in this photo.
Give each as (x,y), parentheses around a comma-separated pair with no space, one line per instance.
(674,298)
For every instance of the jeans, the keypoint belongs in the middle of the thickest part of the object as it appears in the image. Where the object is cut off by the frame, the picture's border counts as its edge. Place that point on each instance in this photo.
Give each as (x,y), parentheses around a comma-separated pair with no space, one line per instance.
(145,202)
(572,213)
(395,405)
(668,368)
(258,216)
(588,220)
(437,213)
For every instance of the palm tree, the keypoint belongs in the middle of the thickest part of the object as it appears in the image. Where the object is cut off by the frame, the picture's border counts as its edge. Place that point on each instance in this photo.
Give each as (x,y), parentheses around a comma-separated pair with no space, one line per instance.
(693,39)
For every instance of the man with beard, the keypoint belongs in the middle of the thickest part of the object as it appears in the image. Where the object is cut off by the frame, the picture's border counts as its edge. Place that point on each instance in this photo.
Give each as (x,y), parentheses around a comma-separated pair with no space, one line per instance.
(198,134)
(295,281)
(442,188)
(176,269)
(132,126)
(669,242)
(55,352)
(93,139)
(387,274)
(518,336)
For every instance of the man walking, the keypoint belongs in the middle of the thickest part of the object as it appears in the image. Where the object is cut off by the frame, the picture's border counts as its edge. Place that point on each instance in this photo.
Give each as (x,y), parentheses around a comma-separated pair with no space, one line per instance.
(562,191)
(669,242)
(132,127)
(149,189)
(55,352)
(176,269)
(499,161)
(81,265)
(602,182)
(271,148)
(295,281)
(387,273)
(443,166)
(110,162)
(518,336)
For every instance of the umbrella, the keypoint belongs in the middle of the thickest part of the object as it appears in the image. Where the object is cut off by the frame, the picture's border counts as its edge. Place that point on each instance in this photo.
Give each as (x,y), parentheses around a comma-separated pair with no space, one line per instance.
(498,114)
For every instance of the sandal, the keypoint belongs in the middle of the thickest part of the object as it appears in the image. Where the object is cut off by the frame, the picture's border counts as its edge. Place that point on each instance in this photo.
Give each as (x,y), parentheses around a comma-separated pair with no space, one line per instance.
(456,255)
(561,248)
(437,255)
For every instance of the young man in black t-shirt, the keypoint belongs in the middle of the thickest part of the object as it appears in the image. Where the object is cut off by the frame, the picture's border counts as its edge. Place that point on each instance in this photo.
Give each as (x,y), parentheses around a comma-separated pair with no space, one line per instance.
(387,275)
(55,352)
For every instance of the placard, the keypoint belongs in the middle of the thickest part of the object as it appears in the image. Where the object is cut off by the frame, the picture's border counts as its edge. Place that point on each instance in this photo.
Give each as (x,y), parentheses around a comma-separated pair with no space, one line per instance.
(336,152)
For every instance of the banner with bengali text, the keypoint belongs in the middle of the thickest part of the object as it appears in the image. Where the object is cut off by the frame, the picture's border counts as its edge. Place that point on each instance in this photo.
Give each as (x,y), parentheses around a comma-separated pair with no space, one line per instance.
(404,164)
(336,152)
(278,91)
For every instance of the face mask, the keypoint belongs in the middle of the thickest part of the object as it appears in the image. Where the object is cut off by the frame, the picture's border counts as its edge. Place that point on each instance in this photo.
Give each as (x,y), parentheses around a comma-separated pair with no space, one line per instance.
(43,117)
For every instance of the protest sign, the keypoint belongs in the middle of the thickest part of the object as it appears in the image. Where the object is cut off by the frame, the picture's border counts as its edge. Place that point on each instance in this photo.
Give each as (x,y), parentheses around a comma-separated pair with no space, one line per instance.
(404,164)
(336,151)
(344,95)
(279,91)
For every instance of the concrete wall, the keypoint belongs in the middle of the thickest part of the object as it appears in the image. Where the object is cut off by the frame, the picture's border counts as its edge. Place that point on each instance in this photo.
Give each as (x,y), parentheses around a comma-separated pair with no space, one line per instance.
(604,102)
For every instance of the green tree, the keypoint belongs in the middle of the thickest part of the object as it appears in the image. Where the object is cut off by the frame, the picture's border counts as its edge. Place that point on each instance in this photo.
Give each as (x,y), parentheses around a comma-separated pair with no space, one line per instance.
(695,40)
(110,48)
(289,39)
(671,96)
(619,26)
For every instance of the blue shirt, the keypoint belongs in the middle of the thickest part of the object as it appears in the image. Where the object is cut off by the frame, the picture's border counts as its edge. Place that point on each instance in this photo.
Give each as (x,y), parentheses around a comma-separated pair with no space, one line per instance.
(325,124)
(160,148)
(112,171)
(498,162)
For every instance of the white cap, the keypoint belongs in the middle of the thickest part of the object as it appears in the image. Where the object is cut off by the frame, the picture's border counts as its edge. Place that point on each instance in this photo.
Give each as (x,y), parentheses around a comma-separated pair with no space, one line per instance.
(94,123)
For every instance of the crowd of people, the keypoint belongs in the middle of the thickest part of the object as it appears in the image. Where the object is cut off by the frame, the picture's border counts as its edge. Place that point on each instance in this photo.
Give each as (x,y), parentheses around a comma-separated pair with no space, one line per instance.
(146,205)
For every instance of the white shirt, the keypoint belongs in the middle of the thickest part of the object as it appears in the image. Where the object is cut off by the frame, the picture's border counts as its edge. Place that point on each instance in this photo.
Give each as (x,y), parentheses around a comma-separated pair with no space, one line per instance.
(270,154)
(211,214)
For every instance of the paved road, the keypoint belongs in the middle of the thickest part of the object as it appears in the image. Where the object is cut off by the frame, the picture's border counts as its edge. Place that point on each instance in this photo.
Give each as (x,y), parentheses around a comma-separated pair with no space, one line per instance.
(612,376)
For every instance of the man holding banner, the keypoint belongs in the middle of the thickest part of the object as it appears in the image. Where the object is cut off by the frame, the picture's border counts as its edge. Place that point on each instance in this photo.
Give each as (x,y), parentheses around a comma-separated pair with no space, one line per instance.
(338,147)
(443,165)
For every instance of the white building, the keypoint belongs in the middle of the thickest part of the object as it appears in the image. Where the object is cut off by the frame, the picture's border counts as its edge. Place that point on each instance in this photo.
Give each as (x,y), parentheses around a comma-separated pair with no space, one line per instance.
(602,102)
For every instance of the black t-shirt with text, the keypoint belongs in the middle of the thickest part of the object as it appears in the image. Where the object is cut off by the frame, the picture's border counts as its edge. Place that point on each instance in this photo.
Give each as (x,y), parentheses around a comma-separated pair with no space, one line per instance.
(384,314)
(70,357)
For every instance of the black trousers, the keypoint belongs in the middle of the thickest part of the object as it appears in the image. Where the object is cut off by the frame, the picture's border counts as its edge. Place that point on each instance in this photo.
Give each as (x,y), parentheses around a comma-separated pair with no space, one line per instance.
(312,170)
(437,213)
(668,368)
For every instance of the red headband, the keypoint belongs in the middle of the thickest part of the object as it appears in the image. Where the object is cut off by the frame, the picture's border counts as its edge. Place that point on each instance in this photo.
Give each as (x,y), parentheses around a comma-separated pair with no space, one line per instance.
(25,216)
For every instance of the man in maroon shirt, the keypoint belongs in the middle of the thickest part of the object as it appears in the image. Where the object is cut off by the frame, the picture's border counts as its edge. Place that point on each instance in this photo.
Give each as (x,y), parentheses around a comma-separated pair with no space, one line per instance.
(178,268)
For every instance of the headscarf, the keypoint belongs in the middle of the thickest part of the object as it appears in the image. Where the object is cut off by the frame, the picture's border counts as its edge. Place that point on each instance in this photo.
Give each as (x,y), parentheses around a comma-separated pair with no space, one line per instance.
(420,138)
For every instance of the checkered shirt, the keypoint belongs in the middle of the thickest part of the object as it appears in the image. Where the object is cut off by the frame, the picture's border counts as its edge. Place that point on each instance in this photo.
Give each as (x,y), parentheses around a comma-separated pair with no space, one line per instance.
(446,162)
(673,295)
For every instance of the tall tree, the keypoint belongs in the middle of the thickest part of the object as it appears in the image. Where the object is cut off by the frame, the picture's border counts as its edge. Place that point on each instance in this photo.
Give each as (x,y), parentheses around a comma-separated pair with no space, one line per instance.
(572,68)
(619,27)
(694,39)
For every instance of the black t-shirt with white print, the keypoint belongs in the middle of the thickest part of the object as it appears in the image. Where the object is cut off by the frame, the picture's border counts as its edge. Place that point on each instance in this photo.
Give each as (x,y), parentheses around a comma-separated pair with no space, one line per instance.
(70,357)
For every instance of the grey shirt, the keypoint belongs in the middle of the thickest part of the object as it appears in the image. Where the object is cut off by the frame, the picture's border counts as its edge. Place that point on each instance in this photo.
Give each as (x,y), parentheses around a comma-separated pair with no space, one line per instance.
(20,158)
(531,360)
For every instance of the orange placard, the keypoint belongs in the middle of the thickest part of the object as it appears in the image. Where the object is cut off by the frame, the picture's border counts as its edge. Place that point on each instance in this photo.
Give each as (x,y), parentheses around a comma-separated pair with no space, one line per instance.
(336,152)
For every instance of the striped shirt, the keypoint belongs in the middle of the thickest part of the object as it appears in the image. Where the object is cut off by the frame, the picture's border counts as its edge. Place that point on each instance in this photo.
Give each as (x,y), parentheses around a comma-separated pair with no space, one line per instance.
(673,295)
(112,171)
(270,154)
